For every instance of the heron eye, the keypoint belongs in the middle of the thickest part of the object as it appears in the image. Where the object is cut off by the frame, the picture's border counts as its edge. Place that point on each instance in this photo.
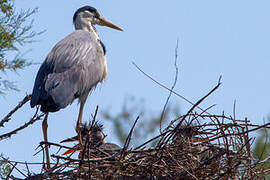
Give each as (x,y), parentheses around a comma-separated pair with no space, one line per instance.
(87,14)
(96,20)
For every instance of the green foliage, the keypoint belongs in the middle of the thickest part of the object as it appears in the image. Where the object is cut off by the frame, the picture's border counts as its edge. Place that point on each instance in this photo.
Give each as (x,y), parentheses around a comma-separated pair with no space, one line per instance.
(262,149)
(4,168)
(148,125)
(262,144)
(15,32)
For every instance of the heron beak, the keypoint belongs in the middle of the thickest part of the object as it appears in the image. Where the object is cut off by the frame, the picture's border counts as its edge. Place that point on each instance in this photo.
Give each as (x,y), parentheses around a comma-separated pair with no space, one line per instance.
(75,138)
(105,22)
(68,152)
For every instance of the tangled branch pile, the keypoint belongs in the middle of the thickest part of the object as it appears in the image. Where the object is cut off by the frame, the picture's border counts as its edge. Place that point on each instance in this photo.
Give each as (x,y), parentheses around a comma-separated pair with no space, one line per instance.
(219,150)
(193,146)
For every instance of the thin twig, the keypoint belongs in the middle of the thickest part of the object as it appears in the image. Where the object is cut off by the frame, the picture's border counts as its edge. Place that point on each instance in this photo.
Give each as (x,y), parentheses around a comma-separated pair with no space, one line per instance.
(14,167)
(128,138)
(7,117)
(192,108)
(163,86)
(35,118)
(173,86)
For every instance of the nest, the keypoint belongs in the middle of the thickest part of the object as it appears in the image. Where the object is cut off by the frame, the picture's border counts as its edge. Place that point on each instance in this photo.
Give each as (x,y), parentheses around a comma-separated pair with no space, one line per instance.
(193,146)
(216,150)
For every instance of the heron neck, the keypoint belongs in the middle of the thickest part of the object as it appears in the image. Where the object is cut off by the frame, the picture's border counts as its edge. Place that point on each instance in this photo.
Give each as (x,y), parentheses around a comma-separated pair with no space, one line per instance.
(81,25)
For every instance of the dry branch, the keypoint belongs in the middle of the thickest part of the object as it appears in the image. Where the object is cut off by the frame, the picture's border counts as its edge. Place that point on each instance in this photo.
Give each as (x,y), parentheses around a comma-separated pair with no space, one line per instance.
(35,118)
(7,117)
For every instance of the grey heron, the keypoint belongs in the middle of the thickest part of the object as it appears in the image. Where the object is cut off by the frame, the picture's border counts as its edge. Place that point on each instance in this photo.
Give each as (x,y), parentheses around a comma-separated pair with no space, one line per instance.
(74,66)
(94,138)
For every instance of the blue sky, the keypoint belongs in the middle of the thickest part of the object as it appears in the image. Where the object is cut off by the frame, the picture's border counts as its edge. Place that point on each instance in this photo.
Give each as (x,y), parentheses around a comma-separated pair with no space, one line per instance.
(228,38)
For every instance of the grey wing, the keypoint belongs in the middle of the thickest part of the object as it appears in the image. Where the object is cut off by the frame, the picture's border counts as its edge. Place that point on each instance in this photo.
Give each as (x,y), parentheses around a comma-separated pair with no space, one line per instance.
(74,66)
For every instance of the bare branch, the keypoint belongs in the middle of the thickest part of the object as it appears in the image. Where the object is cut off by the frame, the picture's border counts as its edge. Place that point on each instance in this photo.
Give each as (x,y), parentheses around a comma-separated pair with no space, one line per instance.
(35,118)
(7,117)
(163,86)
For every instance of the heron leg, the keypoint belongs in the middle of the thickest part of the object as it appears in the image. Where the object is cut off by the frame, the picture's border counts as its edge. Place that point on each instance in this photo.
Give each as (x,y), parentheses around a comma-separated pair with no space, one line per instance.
(44,128)
(79,121)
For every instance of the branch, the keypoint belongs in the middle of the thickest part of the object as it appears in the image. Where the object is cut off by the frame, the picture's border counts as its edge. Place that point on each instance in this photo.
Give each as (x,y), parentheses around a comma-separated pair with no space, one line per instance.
(7,117)
(35,118)
(163,86)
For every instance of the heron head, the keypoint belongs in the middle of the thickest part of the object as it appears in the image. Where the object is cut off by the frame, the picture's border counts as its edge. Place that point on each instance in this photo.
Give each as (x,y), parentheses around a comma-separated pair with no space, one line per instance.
(87,16)
(91,132)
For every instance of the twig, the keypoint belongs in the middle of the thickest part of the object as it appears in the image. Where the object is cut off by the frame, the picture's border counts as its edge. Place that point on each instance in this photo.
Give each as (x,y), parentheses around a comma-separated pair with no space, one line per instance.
(163,86)
(83,161)
(14,167)
(152,139)
(94,117)
(128,138)
(8,175)
(174,84)
(192,108)
(32,120)
(7,117)
(55,144)
(28,171)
